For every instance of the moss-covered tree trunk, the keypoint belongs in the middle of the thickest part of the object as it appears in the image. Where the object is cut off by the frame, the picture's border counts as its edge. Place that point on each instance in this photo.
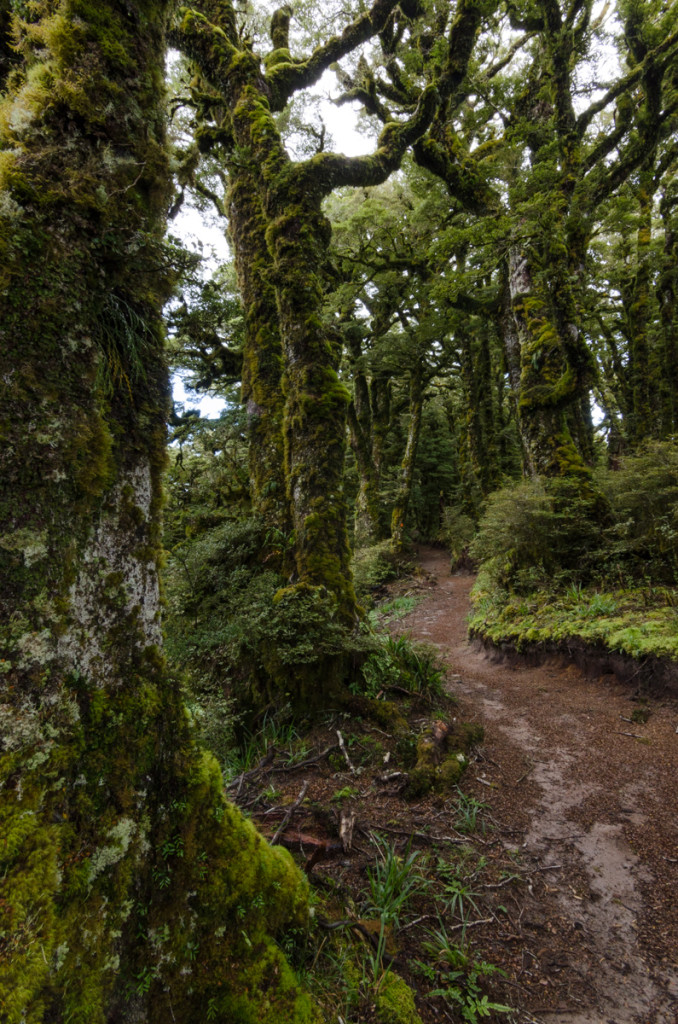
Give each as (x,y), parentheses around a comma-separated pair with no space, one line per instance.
(262,356)
(550,383)
(667,293)
(121,865)
(480,427)
(643,384)
(367,520)
(403,495)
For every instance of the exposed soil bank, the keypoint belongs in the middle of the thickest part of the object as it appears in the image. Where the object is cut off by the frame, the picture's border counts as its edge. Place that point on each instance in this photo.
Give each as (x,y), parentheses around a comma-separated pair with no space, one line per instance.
(589,800)
(654,675)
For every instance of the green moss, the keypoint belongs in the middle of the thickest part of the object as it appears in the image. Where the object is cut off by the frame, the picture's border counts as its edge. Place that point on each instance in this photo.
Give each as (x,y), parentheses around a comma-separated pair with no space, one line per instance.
(440,762)
(395,1002)
(619,620)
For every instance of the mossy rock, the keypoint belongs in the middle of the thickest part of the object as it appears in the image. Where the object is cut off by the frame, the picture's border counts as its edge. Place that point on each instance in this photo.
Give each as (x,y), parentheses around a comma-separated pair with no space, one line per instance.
(442,756)
(395,1002)
(384,712)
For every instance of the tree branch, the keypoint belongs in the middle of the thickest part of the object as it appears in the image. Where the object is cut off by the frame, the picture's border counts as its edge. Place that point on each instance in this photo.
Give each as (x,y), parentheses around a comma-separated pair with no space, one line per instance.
(328,171)
(284,79)
(585,118)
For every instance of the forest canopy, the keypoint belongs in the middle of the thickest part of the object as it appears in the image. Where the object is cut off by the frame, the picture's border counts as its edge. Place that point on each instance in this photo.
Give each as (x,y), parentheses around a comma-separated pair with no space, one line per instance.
(467,336)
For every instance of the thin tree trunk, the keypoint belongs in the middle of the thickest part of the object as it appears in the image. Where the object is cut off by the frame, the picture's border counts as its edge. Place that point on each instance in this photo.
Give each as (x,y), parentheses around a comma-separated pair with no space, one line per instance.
(643,421)
(402,501)
(667,292)
(367,521)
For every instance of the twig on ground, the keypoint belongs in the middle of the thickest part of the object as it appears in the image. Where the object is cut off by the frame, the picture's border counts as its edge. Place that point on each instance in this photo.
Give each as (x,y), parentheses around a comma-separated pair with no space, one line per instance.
(286,820)
(344,751)
(523,777)
(309,760)
(465,840)
(468,924)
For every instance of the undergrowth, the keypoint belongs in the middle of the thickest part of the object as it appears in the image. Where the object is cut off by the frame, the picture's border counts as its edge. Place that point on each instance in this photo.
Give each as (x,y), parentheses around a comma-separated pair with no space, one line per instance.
(551,571)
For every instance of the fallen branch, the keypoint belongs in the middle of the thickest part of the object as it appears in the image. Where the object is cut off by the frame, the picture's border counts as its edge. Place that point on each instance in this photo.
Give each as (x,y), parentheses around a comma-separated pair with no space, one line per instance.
(344,751)
(286,820)
(308,762)
(265,761)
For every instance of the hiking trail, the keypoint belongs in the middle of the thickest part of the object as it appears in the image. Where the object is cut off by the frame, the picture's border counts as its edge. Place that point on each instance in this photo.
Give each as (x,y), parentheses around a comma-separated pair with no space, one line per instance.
(588,798)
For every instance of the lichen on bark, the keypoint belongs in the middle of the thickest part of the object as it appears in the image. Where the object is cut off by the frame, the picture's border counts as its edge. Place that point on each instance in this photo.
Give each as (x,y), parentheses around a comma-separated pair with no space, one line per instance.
(122,863)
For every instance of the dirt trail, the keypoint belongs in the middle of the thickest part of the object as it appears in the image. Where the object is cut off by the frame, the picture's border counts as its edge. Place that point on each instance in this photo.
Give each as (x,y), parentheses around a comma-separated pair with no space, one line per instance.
(589,800)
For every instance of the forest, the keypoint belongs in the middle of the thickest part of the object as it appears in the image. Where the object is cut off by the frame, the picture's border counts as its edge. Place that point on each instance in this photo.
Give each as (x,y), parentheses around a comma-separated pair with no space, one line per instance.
(465,338)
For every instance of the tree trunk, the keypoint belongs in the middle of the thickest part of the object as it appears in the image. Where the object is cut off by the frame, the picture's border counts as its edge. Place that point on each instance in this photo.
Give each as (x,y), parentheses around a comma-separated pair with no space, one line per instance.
(667,292)
(511,342)
(643,422)
(121,864)
(367,528)
(402,501)
(549,384)
(315,400)
(262,356)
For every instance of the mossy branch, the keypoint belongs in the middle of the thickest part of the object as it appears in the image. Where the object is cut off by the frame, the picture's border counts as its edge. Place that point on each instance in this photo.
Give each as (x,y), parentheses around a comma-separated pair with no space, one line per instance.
(328,171)
(206,44)
(280,28)
(605,179)
(462,39)
(285,79)
(462,179)
(666,49)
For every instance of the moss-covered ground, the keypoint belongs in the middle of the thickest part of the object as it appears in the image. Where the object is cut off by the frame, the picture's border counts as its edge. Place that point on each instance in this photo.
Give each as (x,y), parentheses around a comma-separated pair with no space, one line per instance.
(639,622)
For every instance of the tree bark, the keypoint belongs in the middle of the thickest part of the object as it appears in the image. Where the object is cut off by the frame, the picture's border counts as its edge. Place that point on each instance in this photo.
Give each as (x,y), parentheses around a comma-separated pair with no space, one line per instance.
(402,501)
(262,357)
(121,864)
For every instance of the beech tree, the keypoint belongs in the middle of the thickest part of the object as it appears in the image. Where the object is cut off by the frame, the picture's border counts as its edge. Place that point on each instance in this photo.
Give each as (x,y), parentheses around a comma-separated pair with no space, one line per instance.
(121,865)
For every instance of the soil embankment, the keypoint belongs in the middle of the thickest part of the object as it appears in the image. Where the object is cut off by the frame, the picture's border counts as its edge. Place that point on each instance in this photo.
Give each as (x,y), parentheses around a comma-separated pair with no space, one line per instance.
(587,797)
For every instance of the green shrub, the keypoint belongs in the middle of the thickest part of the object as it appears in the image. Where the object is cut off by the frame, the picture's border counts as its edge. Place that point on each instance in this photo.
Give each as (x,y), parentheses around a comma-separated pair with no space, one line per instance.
(456,533)
(373,567)
(553,533)
(535,528)
(643,493)
(235,628)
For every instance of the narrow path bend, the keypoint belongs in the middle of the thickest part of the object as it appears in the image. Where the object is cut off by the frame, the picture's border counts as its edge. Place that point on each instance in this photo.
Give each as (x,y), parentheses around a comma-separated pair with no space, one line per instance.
(590,802)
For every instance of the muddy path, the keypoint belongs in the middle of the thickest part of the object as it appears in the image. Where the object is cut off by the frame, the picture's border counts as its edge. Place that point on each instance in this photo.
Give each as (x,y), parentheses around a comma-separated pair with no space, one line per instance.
(585,798)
